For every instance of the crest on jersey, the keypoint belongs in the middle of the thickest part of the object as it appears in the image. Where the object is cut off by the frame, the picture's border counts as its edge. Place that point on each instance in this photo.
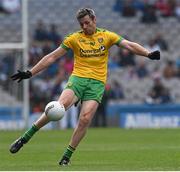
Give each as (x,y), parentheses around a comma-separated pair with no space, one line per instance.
(100,40)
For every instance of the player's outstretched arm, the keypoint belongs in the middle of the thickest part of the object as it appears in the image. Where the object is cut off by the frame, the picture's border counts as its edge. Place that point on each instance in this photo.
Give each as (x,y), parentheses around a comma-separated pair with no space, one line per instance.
(140,50)
(41,65)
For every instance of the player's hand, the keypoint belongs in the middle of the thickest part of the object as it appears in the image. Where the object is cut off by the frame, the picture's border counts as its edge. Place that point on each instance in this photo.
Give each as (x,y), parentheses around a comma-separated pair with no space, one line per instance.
(155,55)
(20,75)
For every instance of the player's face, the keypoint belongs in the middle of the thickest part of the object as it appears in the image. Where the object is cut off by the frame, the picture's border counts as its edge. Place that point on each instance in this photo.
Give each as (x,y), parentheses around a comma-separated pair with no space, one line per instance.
(88,25)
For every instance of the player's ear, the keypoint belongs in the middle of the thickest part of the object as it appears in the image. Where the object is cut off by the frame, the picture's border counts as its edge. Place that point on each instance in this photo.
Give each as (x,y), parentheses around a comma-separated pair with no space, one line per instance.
(94,19)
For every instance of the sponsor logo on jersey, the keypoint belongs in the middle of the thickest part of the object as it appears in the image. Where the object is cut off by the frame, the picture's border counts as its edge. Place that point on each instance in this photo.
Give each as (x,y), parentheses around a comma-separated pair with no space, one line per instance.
(93,52)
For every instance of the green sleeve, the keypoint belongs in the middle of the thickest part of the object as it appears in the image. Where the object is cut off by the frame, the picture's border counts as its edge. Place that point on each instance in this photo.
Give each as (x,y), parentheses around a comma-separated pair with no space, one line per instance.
(64,47)
(119,41)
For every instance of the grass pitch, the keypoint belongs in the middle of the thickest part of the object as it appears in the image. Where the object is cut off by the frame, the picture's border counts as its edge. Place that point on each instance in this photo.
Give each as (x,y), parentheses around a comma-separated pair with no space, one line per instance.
(102,149)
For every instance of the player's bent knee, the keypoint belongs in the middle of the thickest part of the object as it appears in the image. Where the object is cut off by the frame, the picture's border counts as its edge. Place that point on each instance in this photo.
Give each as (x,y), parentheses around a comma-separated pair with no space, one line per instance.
(84,121)
(54,111)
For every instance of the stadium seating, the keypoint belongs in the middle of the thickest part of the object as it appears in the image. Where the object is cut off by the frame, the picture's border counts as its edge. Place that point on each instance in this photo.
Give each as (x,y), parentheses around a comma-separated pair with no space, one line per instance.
(62,13)
(7,99)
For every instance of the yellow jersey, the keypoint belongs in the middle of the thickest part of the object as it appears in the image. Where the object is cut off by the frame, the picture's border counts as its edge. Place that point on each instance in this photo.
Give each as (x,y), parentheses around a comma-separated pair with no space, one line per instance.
(91,52)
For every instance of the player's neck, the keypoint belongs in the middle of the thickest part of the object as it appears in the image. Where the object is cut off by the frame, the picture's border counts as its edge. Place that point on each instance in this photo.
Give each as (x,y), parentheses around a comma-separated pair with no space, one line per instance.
(89,35)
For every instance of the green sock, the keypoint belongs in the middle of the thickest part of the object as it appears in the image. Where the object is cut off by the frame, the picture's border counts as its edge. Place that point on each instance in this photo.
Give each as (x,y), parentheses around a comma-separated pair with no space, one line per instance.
(29,133)
(69,151)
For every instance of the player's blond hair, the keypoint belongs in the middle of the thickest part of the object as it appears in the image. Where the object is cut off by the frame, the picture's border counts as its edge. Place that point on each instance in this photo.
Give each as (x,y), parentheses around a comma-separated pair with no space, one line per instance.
(85,11)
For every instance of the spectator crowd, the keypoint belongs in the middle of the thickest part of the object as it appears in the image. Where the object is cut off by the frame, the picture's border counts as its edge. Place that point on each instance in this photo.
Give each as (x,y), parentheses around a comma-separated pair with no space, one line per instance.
(149,10)
(48,84)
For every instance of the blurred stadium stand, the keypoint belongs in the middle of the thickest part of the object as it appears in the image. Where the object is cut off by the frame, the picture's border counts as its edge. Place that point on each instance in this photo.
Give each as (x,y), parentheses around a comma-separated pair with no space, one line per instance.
(62,13)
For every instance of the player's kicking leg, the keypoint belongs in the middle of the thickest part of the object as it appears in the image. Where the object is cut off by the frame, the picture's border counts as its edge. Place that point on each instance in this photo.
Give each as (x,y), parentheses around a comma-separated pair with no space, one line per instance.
(18,144)
(67,99)
(87,112)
